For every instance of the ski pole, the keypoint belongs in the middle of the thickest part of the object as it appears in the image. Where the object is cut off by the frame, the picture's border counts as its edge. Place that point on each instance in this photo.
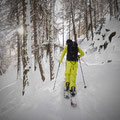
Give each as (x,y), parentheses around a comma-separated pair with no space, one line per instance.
(56,76)
(82,74)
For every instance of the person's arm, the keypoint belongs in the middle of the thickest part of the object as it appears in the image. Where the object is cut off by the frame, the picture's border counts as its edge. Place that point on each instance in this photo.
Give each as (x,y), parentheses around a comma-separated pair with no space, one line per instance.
(81,52)
(63,54)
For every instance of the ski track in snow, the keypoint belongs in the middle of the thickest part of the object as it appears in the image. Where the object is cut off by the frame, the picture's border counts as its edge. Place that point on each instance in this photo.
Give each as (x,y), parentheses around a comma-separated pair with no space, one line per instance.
(94,103)
(7,86)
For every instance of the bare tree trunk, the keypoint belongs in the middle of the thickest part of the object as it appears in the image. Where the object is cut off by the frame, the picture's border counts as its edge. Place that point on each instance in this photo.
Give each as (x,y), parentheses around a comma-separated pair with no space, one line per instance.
(86,18)
(79,25)
(35,35)
(43,33)
(63,22)
(116,8)
(51,38)
(63,30)
(73,21)
(69,26)
(91,22)
(18,46)
(24,49)
(98,17)
(37,50)
(47,30)
(51,62)
(94,14)
(40,66)
(110,8)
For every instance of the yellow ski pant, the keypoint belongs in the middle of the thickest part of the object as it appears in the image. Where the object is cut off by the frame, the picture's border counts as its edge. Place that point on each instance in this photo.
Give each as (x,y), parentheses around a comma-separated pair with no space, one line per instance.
(71,73)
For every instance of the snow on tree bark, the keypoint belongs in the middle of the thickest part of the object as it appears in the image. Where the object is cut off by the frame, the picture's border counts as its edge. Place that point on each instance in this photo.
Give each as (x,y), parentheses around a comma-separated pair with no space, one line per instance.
(18,45)
(51,41)
(37,49)
(25,57)
(91,21)
(73,21)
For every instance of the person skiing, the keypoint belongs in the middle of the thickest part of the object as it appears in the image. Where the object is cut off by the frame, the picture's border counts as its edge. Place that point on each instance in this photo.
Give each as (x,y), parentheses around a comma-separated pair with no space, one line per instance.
(72,50)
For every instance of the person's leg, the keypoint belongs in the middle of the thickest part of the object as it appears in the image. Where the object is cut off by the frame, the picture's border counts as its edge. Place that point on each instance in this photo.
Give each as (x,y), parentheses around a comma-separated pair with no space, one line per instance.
(67,75)
(73,76)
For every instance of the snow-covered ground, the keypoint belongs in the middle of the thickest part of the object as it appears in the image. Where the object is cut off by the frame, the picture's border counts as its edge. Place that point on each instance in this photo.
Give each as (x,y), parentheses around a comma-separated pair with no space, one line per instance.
(99,101)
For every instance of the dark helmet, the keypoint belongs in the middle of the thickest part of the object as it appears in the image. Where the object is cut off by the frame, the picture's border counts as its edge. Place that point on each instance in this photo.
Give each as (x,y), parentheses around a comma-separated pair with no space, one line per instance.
(68,41)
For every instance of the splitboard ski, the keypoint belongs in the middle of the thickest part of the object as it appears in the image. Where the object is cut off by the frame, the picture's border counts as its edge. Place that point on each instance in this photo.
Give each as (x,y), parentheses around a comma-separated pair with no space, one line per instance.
(73,101)
(66,94)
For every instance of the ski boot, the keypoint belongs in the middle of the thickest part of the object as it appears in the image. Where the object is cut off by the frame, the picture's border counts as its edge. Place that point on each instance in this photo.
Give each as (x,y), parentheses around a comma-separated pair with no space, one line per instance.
(66,91)
(67,86)
(73,91)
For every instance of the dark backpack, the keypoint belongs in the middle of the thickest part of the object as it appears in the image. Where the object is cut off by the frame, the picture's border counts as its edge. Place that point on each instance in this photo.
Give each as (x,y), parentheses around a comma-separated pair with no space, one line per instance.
(72,51)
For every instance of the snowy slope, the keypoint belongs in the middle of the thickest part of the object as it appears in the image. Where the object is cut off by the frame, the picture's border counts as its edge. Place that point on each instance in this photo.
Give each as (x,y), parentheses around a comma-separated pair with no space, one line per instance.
(95,51)
(99,101)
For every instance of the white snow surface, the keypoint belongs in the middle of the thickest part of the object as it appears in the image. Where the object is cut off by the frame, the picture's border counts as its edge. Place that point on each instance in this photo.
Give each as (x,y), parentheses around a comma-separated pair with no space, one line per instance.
(99,101)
